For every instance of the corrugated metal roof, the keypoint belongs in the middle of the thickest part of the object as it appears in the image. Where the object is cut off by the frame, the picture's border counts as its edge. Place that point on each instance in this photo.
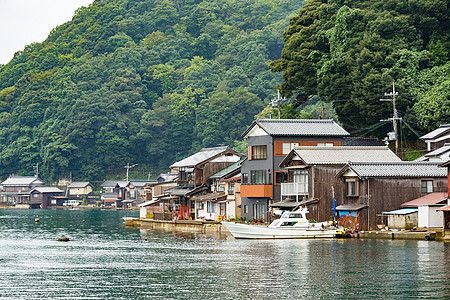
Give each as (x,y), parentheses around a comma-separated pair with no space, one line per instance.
(344,154)
(228,170)
(299,127)
(79,184)
(47,189)
(397,169)
(432,198)
(351,207)
(444,128)
(404,211)
(204,154)
(22,180)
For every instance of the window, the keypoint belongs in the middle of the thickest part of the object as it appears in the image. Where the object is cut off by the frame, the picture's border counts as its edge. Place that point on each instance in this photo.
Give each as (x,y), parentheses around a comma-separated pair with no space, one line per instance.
(287,147)
(281,177)
(245,209)
(53,201)
(231,188)
(259,152)
(258,177)
(35,195)
(352,187)
(221,187)
(301,182)
(427,186)
(201,205)
(210,208)
(244,177)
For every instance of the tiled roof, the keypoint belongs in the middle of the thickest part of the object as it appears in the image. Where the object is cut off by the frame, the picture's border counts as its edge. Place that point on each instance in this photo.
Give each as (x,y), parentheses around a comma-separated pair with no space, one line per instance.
(359,141)
(299,127)
(204,154)
(343,154)
(397,169)
(79,184)
(441,130)
(113,183)
(22,180)
(429,199)
(47,189)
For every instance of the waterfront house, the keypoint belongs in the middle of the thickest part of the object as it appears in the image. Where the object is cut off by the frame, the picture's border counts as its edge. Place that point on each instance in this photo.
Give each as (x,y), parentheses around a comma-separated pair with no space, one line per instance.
(16,189)
(80,190)
(370,188)
(46,196)
(157,200)
(139,190)
(193,176)
(269,141)
(438,137)
(115,192)
(221,199)
(311,177)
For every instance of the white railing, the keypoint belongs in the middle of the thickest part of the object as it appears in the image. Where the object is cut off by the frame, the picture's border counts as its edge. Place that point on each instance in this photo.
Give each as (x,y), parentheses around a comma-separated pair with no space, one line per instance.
(294,189)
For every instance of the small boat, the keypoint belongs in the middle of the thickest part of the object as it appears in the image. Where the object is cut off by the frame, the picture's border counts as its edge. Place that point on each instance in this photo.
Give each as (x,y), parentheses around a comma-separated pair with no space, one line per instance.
(291,225)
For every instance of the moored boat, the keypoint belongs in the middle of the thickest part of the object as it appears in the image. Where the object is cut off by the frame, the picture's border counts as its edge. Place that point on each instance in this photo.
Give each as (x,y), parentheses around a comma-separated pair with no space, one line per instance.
(291,225)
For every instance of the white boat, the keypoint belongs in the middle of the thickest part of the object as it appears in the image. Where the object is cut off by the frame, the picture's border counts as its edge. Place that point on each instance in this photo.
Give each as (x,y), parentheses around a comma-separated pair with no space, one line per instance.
(291,225)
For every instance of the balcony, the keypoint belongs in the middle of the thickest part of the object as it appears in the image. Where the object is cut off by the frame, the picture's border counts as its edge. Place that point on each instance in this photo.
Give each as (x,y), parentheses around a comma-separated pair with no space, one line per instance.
(256,190)
(294,189)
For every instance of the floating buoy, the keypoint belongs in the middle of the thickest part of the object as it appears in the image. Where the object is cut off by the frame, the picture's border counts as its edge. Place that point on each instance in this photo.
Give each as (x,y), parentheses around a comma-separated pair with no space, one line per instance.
(63,239)
(36,220)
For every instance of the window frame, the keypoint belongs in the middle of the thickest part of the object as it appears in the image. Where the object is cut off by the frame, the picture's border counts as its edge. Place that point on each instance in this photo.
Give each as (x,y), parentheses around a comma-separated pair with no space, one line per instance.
(259,152)
(255,175)
(348,184)
(284,173)
(426,186)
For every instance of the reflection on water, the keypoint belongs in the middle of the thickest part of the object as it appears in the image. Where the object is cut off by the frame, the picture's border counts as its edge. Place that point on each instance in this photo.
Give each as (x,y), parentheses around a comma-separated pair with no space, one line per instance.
(106,260)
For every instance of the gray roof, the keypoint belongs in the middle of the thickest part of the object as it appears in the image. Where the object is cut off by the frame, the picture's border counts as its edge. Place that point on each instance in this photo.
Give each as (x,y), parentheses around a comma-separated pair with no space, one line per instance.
(22,180)
(299,127)
(403,211)
(47,189)
(167,177)
(113,183)
(441,130)
(199,157)
(396,169)
(435,154)
(141,183)
(79,184)
(340,155)
(360,141)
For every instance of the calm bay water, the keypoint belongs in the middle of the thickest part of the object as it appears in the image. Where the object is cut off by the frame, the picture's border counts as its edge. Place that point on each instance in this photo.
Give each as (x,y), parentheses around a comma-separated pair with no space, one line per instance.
(105,260)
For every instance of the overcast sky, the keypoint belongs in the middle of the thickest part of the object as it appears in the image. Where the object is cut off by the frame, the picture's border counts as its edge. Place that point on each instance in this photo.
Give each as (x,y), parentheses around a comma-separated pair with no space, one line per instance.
(23,22)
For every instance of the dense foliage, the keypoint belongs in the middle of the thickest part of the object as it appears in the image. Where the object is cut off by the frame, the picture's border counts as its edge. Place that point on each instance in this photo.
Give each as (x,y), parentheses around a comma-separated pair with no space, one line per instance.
(349,52)
(139,81)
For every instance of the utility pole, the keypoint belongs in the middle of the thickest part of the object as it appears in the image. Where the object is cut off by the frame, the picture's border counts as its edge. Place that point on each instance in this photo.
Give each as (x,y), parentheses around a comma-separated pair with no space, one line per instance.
(277,101)
(36,168)
(128,167)
(395,114)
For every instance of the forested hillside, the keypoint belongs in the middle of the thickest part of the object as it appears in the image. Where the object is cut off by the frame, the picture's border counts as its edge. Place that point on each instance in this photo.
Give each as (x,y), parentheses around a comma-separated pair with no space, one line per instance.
(349,52)
(139,81)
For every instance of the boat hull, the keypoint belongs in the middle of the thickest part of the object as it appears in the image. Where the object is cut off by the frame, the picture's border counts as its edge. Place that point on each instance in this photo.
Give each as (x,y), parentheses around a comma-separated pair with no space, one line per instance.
(245,231)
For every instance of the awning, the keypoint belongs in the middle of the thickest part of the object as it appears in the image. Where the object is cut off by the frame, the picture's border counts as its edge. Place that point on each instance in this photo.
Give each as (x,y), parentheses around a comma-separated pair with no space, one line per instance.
(128,201)
(351,207)
(148,203)
(210,197)
(404,211)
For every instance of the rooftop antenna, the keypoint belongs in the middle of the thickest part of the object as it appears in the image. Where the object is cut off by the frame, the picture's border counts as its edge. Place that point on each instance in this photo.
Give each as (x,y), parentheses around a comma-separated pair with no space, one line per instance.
(394,116)
(277,101)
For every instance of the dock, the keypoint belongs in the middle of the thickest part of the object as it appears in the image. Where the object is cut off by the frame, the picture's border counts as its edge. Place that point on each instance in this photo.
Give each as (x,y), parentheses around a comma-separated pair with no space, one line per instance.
(180,225)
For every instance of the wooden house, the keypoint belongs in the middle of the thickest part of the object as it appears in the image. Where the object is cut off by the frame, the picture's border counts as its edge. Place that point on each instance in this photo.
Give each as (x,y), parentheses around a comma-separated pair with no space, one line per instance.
(80,190)
(193,176)
(157,201)
(446,209)
(45,196)
(16,189)
(269,141)
(370,188)
(115,192)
